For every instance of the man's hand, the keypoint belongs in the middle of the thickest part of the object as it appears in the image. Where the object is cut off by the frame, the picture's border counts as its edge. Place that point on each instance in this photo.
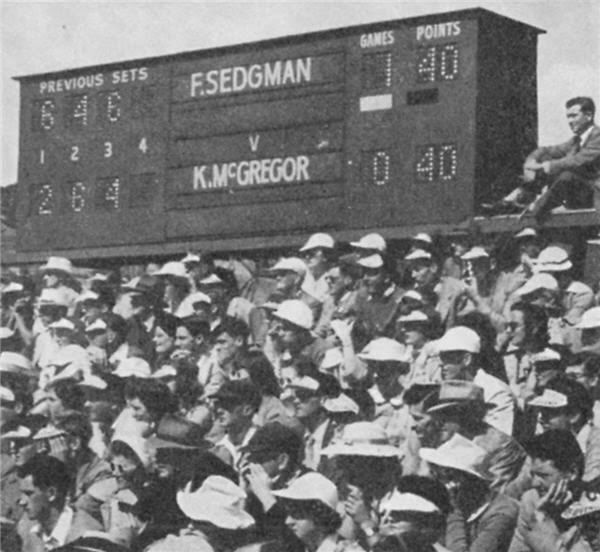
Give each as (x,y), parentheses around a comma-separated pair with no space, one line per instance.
(259,483)
(558,496)
(355,506)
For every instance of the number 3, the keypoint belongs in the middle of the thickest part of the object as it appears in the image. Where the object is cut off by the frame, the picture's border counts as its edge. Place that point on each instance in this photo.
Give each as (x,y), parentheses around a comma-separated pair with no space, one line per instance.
(108,149)
(74,153)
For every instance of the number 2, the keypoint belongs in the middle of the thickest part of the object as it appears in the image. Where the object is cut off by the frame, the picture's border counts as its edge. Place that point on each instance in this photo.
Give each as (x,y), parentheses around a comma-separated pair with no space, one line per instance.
(108,149)
(74,153)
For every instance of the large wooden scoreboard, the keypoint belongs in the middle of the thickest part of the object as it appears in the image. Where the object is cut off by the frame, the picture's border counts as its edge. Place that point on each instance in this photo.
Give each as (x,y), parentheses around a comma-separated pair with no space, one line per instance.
(388,126)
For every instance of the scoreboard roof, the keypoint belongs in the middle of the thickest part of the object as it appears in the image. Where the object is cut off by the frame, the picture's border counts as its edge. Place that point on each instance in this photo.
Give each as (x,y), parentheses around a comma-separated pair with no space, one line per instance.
(293,39)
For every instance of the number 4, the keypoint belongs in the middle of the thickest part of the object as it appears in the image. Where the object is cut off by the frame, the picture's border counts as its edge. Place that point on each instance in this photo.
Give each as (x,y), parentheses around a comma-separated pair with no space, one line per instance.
(143,145)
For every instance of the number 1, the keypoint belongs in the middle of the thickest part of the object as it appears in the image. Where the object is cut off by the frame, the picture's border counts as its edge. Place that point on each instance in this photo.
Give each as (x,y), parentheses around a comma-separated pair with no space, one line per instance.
(42,157)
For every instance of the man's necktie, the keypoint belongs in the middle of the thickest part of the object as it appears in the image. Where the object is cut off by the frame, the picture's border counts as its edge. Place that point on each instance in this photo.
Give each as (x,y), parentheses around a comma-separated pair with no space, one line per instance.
(576,143)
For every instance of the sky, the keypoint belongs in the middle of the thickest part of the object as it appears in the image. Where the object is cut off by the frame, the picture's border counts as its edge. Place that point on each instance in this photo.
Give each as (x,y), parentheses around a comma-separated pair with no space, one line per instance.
(39,37)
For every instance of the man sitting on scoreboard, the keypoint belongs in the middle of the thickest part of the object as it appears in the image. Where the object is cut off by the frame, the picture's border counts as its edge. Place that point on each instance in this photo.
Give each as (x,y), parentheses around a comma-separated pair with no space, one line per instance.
(568,174)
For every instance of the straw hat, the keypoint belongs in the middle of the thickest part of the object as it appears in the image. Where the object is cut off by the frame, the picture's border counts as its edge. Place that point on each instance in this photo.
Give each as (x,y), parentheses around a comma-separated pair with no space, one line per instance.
(311,486)
(362,439)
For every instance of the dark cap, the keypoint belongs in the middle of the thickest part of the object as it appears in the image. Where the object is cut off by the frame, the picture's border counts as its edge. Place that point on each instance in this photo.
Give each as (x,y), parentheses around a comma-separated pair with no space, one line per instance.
(176,432)
(147,285)
(238,392)
(275,438)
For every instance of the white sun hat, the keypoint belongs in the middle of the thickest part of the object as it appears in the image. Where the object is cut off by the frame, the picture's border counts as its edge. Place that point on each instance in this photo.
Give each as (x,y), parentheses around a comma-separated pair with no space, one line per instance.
(61,264)
(198,297)
(173,268)
(331,359)
(312,486)
(87,295)
(418,255)
(20,432)
(341,403)
(579,287)
(422,237)
(546,355)
(165,371)
(6,332)
(133,366)
(12,287)
(318,240)
(384,349)
(414,316)
(137,444)
(362,439)
(51,296)
(406,502)
(97,325)
(296,312)
(549,399)
(16,363)
(94,382)
(6,395)
(218,501)
(553,259)
(459,338)
(538,281)
(290,264)
(191,258)
(371,241)
(459,453)
(588,503)
(590,319)
(476,252)
(527,232)
(62,324)
(371,261)
(414,295)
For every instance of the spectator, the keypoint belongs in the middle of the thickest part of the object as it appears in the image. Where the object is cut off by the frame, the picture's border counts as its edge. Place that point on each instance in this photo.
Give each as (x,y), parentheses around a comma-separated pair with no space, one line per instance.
(318,254)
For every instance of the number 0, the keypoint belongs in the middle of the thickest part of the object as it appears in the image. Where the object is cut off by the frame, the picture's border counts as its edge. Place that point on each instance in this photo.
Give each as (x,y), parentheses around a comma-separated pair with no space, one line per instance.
(143,145)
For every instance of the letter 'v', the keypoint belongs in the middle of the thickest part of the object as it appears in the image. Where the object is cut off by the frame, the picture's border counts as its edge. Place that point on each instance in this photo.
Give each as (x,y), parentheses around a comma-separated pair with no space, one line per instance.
(254,138)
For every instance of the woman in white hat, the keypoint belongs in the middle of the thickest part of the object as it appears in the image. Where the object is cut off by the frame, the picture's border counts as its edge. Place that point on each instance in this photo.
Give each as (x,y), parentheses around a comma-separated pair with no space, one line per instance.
(57,274)
(311,503)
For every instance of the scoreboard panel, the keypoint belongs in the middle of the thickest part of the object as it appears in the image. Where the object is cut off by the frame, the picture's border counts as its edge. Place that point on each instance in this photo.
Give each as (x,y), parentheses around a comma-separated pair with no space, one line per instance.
(365,127)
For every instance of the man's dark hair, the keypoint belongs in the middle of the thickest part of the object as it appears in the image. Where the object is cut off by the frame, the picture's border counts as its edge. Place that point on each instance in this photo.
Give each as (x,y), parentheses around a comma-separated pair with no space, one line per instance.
(586,104)
(329,386)
(233,327)
(76,424)
(195,325)
(558,445)
(430,489)
(47,471)
(578,397)
(418,392)
(69,392)
(153,394)
(591,366)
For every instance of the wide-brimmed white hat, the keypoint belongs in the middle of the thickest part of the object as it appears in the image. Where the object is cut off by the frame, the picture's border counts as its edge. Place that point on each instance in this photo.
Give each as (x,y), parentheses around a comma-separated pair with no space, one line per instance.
(51,296)
(362,439)
(137,444)
(60,264)
(418,255)
(6,395)
(549,399)
(415,316)
(12,287)
(173,268)
(290,264)
(590,319)
(87,295)
(546,355)
(414,295)
(527,233)
(312,486)
(191,258)
(536,282)
(165,371)
(407,502)
(476,252)
(459,338)
(218,501)
(371,261)
(318,240)
(384,349)
(331,359)
(198,297)
(422,237)
(16,363)
(97,325)
(20,432)
(371,241)
(341,403)
(62,324)
(133,366)
(459,453)
(553,259)
(296,312)
(94,382)
(588,503)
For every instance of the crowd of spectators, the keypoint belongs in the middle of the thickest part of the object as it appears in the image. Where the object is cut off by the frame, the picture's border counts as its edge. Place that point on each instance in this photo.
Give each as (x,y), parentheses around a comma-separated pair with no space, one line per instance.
(345,397)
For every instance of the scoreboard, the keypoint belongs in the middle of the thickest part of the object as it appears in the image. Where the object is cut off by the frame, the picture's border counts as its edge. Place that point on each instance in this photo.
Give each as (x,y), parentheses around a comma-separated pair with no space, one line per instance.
(383,126)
